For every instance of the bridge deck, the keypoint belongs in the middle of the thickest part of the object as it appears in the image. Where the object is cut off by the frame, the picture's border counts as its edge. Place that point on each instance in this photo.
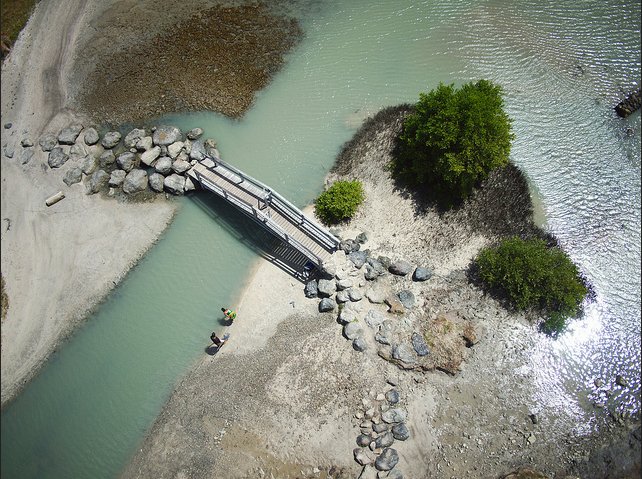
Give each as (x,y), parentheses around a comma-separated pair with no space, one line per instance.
(267,207)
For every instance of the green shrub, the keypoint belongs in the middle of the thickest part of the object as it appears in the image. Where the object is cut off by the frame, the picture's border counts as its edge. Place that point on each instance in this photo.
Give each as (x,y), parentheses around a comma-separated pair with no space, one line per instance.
(454,138)
(339,202)
(534,275)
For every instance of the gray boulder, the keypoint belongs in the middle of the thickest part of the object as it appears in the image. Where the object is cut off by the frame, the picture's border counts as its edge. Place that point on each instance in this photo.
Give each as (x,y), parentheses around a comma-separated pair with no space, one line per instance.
(381,427)
(384,335)
(97,180)
(343,296)
(27,154)
(77,151)
(359,344)
(73,175)
(149,156)
(326,287)
(144,143)
(91,136)
(194,134)
(407,298)
(347,315)
(385,440)
(132,138)
(344,284)
(48,141)
(135,181)
(311,290)
(111,139)
(363,440)
(210,148)
(400,432)
(352,330)
(387,460)
(358,258)
(126,161)
(189,185)
(89,165)
(361,456)
(197,151)
(400,268)
(26,142)
(374,318)
(107,158)
(361,238)
(175,184)
(174,149)
(157,182)
(402,352)
(117,178)
(375,295)
(392,396)
(326,304)
(181,166)
(394,415)
(355,295)
(328,270)
(57,157)
(68,135)
(166,135)
(419,344)
(421,274)
(163,165)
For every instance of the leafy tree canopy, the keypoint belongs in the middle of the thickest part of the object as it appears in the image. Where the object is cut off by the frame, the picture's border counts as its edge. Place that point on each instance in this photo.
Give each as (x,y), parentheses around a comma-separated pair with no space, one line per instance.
(531,274)
(454,138)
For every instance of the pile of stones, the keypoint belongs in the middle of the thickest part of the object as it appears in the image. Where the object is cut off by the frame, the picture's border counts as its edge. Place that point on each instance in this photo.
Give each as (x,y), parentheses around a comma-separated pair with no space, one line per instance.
(383,421)
(154,160)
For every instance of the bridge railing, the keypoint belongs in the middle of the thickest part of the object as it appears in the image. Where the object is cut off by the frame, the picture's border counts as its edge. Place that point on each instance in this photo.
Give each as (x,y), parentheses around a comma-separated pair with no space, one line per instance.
(259,216)
(283,205)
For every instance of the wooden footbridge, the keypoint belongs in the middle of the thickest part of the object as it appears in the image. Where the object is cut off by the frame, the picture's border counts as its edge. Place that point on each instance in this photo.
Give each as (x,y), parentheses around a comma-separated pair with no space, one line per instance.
(267,207)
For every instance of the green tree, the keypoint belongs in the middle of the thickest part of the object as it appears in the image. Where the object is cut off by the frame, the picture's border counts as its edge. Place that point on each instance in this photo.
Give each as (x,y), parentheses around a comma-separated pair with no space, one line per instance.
(339,202)
(531,274)
(454,138)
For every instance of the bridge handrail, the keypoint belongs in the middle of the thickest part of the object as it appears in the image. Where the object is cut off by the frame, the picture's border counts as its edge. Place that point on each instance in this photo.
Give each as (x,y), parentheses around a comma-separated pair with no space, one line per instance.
(260,216)
(328,237)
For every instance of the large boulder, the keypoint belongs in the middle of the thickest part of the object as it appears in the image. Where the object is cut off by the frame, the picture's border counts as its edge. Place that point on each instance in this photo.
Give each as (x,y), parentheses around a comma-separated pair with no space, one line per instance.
(97,180)
(166,135)
(174,149)
(326,305)
(358,258)
(194,133)
(407,298)
(77,151)
(117,178)
(421,274)
(135,181)
(68,135)
(157,182)
(352,330)
(73,175)
(197,151)
(175,184)
(189,185)
(400,268)
(163,165)
(132,138)
(404,353)
(48,141)
(385,440)
(91,136)
(126,161)
(111,139)
(394,415)
(181,166)
(311,290)
(374,318)
(107,158)
(400,432)
(387,460)
(326,287)
(57,157)
(145,143)
(149,156)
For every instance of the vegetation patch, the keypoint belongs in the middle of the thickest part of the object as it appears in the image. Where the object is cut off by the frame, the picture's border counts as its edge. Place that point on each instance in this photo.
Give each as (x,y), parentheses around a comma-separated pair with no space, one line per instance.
(530,274)
(13,18)
(339,202)
(453,139)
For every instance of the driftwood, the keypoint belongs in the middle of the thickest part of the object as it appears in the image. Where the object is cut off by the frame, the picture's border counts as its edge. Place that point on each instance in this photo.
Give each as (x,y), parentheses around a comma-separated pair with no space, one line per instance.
(52,200)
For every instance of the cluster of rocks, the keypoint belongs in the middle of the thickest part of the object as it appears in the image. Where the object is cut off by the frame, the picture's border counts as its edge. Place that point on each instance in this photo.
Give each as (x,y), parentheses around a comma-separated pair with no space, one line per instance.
(378,305)
(630,104)
(155,160)
(383,421)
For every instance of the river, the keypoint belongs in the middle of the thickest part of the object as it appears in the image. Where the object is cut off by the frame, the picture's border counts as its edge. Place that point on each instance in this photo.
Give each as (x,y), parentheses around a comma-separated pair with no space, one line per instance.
(563,66)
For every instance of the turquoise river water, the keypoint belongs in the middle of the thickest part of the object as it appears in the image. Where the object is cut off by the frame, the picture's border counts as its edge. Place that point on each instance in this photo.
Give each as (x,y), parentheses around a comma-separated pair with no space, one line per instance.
(563,66)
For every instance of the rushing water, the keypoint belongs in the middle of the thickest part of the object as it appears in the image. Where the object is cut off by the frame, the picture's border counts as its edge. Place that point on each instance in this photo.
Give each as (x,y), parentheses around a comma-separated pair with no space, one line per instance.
(563,66)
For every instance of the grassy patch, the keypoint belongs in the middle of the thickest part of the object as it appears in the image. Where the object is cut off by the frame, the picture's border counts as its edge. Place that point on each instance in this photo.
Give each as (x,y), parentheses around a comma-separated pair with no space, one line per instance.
(15,14)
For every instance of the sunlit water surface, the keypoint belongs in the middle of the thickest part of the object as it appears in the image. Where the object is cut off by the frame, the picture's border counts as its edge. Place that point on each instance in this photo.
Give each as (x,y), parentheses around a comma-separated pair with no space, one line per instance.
(563,66)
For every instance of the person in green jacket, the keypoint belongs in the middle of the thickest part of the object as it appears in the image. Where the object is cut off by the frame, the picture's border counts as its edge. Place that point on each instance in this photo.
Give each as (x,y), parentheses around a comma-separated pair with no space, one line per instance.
(229,314)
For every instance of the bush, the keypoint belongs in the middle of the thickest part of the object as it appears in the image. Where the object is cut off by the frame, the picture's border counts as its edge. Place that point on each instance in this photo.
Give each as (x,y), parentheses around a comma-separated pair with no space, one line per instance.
(534,275)
(339,202)
(454,138)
